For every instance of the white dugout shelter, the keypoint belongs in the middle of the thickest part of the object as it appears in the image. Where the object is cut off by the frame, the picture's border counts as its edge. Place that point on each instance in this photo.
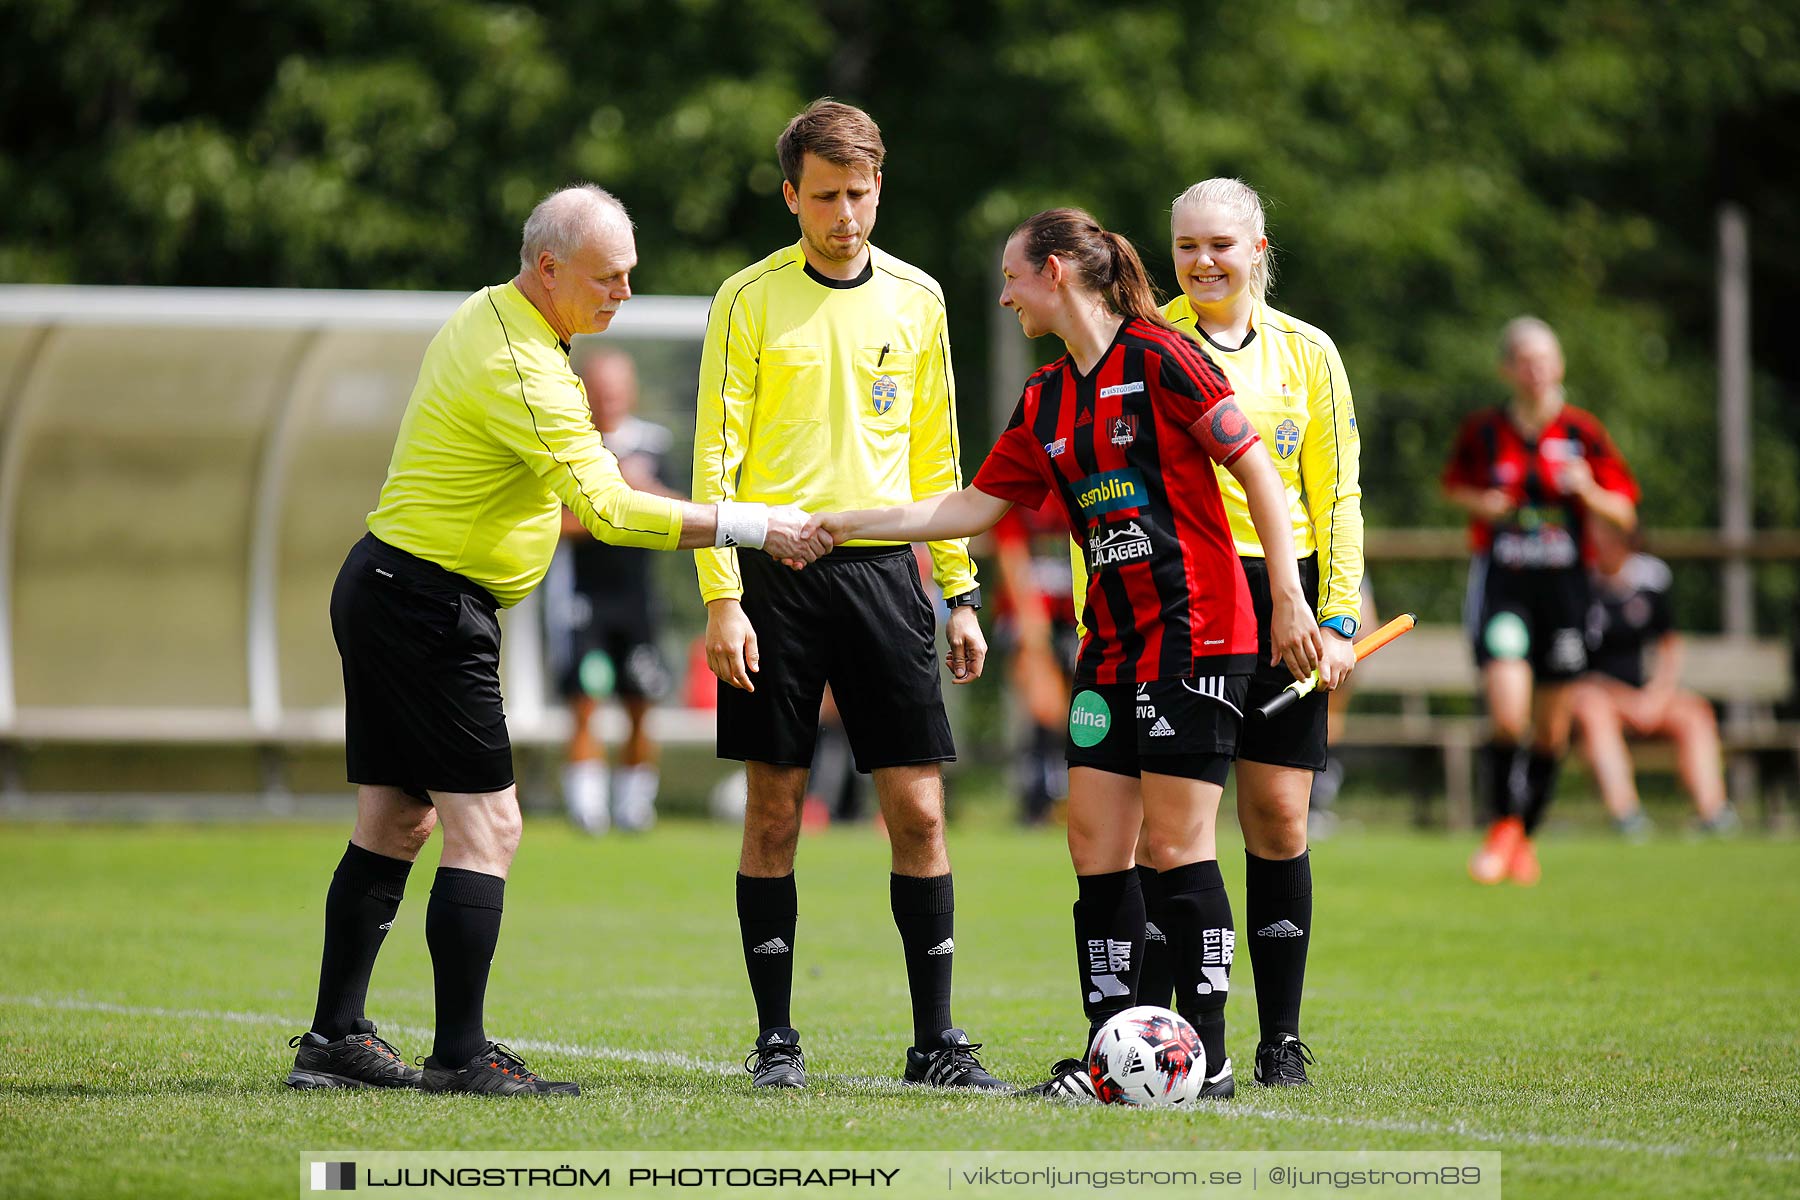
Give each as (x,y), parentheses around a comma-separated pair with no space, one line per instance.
(181,474)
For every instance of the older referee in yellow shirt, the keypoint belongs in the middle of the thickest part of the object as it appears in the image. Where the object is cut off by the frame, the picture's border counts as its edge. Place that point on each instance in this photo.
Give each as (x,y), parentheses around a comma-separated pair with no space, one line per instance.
(825,382)
(496,439)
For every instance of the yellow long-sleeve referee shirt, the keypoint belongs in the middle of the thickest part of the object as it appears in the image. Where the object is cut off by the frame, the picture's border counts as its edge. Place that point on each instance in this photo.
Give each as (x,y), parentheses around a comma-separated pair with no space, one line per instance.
(1290,382)
(830,394)
(497,437)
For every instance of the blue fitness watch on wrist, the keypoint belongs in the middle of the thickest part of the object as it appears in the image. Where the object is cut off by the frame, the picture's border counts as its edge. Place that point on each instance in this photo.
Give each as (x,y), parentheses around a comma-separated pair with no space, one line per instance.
(1344,627)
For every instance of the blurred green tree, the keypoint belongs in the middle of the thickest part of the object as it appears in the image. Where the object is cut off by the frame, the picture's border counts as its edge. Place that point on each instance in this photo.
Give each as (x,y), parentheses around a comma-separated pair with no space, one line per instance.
(1431,171)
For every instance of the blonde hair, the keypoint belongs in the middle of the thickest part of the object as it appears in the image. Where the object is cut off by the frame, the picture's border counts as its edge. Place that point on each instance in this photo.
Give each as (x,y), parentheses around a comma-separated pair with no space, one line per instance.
(1242,201)
(1520,328)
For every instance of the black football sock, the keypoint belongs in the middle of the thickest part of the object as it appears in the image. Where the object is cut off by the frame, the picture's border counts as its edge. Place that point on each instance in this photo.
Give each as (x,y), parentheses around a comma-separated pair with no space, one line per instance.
(1201,941)
(462,927)
(359,910)
(1499,763)
(1109,941)
(1278,909)
(1540,786)
(925,914)
(1156,982)
(767,910)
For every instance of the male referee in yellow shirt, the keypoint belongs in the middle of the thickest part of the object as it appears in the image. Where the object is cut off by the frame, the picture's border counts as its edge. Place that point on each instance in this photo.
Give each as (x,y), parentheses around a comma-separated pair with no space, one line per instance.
(825,382)
(496,439)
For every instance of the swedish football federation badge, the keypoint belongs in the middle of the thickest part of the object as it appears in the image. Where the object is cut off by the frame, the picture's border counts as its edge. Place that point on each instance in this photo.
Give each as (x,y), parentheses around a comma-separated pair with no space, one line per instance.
(883,394)
(1287,438)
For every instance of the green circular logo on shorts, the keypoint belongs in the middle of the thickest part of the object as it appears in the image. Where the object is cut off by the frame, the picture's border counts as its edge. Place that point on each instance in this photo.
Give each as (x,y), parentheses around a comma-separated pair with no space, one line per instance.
(1506,636)
(597,674)
(1089,719)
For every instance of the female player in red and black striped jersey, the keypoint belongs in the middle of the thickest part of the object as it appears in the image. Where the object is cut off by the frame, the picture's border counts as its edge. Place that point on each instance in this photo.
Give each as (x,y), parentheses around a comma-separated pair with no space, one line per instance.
(1123,431)
(1533,475)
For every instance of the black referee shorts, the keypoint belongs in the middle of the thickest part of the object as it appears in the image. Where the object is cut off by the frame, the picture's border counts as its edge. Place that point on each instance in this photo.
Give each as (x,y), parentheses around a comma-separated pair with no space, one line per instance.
(421,652)
(859,620)
(1295,737)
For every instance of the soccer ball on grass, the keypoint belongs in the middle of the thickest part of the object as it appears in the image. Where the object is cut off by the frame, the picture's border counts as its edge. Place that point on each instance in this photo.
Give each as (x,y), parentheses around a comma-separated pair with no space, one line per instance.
(1147,1056)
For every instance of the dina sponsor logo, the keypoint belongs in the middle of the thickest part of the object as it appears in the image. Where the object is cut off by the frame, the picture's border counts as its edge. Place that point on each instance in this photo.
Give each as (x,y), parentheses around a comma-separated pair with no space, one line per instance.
(1089,719)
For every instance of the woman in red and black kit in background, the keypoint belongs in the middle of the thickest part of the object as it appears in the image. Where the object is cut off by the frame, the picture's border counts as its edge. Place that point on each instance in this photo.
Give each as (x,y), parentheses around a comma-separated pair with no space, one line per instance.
(1533,475)
(1036,625)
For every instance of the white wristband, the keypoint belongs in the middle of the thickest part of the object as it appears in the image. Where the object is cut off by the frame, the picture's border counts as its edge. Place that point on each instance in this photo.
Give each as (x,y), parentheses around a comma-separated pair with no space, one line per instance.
(741,524)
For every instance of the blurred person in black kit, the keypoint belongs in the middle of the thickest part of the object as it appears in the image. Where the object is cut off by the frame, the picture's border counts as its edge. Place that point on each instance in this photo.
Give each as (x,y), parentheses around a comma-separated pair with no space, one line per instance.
(608,637)
(1037,629)
(1618,697)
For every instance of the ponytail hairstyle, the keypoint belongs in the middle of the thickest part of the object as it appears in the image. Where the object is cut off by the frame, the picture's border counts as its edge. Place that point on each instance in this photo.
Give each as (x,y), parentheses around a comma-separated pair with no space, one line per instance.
(1241,201)
(1100,260)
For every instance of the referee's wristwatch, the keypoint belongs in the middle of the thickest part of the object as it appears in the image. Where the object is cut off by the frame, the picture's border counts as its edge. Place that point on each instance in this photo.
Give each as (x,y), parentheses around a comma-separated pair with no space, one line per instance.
(1344,627)
(968,599)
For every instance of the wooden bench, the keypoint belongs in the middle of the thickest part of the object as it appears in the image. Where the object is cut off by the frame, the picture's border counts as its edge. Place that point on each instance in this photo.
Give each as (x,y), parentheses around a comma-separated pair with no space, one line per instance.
(1434,663)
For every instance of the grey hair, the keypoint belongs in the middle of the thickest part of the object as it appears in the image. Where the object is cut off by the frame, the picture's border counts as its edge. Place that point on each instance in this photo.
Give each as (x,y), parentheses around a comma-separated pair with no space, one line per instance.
(1242,201)
(1520,328)
(564,220)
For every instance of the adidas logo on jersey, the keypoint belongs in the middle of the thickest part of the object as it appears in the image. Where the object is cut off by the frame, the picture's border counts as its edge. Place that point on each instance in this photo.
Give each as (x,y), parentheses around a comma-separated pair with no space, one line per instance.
(947,946)
(1162,728)
(773,946)
(1153,934)
(1281,929)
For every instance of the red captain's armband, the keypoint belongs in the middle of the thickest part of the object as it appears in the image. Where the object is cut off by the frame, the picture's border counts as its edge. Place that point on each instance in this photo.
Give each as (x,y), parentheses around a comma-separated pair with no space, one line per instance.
(1225,432)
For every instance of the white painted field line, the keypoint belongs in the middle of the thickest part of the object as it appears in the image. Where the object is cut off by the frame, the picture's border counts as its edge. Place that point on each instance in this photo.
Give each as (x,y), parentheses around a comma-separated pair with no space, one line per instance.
(1236,1109)
(655,1058)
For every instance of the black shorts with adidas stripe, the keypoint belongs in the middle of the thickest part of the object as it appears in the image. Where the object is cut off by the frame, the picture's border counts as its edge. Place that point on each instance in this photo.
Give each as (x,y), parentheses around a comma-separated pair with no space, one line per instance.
(1183,727)
(1296,736)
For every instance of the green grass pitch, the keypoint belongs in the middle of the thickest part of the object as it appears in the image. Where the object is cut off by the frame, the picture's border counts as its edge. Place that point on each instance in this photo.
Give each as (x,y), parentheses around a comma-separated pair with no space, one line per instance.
(1628,1028)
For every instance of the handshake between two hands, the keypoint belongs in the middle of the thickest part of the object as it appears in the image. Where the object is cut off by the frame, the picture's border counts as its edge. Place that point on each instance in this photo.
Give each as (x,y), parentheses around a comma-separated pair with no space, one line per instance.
(798,537)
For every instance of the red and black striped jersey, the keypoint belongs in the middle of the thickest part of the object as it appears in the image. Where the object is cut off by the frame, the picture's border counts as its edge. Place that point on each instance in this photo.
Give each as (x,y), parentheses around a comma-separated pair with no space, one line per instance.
(1118,448)
(1547,529)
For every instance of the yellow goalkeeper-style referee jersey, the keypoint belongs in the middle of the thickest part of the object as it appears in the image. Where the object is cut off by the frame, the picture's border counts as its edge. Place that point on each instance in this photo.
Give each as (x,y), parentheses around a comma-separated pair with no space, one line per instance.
(830,394)
(497,437)
(1290,382)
